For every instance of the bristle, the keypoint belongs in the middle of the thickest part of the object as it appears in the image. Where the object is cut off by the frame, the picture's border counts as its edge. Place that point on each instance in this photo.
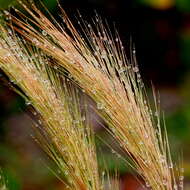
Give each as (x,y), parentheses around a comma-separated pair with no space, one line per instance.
(62,132)
(3,181)
(99,65)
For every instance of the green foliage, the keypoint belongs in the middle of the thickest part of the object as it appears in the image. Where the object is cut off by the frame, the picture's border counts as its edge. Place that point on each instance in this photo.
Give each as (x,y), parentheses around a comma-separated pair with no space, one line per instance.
(183,5)
(5,4)
(50,4)
(185,46)
(12,182)
(178,123)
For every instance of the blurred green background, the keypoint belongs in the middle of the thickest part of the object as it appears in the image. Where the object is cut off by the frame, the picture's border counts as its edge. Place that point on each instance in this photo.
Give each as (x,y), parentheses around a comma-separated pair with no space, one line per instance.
(160,30)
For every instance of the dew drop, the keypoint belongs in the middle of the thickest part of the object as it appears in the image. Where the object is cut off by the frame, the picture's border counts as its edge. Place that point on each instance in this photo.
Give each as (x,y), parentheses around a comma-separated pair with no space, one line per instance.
(146,136)
(44,33)
(83,118)
(28,103)
(162,159)
(113,151)
(164,182)
(142,85)
(118,155)
(156,114)
(100,106)
(110,42)
(136,69)
(171,166)
(121,70)
(175,187)
(147,184)
(55,67)
(138,75)
(34,40)
(6,13)
(76,121)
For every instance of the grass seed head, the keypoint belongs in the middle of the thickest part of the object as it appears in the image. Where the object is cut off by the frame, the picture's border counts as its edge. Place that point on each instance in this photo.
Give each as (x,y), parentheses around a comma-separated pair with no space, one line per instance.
(98,64)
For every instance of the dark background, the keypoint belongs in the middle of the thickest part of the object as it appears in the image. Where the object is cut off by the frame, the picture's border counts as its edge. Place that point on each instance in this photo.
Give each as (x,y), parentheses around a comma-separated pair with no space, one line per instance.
(160,31)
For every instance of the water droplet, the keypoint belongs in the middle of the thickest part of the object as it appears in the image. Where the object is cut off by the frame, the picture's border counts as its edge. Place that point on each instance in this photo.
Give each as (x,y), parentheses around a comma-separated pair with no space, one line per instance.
(171,166)
(36,42)
(6,13)
(118,155)
(156,114)
(55,67)
(175,187)
(83,118)
(147,184)
(162,159)
(121,70)
(120,62)
(136,69)
(59,171)
(182,170)
(44,33)
(76,121)
(146,136)
(110,42)
(138,75)
(113,151)
(164,182)
(28,102)
(100,106)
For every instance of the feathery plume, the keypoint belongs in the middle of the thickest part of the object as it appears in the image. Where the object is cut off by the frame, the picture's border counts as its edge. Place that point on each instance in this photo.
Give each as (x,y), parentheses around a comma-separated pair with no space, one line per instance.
(64,133)
(98,64)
